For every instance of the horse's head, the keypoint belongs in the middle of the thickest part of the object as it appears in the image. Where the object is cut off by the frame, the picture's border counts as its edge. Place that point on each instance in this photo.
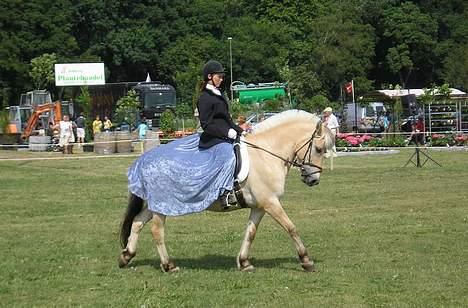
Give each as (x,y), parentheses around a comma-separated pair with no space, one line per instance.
(311,151)
(302,141)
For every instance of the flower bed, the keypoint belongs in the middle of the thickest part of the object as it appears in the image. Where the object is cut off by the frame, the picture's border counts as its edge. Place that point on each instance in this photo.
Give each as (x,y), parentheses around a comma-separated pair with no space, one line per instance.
(352,142)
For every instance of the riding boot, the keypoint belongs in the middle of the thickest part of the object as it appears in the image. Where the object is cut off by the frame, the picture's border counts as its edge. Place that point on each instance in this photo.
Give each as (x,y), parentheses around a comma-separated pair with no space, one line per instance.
(227,199)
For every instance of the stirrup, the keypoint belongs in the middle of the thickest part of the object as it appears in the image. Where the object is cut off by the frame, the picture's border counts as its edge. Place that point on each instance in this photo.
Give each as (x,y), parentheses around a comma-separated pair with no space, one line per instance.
(227,199)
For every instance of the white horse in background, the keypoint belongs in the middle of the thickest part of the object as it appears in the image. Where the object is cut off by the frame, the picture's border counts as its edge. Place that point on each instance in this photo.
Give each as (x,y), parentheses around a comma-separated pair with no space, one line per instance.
(291,138)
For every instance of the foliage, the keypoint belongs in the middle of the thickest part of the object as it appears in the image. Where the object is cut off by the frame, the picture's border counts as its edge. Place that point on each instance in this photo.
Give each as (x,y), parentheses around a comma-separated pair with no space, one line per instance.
(315,46)
(184,111)
(42,70)
(394,141)
(238,109)
(411,36)
(127,109)
(435,93)
(4,121)
(273,105)
(439,140)
(168,122)
(84,99)
(316,104)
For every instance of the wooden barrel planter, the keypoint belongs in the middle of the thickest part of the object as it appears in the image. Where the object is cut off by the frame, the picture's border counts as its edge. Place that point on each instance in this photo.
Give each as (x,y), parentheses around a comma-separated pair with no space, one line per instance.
(151,141)
(104,143)
(123,142)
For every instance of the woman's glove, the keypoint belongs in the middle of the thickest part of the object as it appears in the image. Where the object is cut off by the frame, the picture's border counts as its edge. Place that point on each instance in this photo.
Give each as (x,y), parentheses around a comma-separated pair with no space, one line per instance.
(232,134)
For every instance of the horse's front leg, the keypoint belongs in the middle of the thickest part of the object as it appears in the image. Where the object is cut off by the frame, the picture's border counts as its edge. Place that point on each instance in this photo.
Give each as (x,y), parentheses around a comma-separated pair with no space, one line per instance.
(130,250)
(243,262)
(275,210)
(157,230)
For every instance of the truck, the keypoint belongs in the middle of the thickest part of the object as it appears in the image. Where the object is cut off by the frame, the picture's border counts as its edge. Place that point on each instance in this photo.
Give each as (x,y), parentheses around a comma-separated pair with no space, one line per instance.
(257,93)
(155,98)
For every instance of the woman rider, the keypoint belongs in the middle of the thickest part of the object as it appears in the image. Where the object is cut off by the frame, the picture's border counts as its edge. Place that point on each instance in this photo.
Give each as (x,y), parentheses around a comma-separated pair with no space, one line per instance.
(189,174)
(213,111)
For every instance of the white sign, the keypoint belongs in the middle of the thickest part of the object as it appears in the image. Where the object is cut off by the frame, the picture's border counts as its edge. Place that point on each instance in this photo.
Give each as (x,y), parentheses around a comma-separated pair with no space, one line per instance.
(79,74)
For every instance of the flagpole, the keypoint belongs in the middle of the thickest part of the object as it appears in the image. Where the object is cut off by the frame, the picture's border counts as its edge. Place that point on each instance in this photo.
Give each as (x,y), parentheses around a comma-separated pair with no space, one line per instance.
(355,107)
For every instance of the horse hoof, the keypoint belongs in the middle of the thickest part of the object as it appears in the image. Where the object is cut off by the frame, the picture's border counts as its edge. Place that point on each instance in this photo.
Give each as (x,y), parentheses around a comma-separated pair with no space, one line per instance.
(125,258)
(248,269)
(308,267)
(245,266)
(169,268)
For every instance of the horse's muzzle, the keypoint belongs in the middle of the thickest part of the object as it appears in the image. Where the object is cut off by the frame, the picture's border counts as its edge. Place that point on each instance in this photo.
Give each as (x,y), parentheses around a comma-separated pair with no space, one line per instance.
(309,175)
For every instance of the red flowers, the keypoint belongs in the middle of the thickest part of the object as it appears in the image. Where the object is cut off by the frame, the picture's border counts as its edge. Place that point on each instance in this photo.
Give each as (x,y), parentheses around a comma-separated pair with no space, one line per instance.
(353,139)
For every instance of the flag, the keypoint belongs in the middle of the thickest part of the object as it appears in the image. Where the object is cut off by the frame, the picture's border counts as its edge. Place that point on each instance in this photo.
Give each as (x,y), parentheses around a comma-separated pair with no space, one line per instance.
(348,87)
(148,78)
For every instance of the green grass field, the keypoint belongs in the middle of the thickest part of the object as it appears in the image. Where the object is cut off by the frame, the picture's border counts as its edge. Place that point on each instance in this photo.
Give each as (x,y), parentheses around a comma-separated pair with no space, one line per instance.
(381,235)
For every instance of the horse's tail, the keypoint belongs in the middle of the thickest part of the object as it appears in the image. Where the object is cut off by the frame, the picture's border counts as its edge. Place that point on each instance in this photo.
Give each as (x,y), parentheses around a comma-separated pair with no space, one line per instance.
(135,205)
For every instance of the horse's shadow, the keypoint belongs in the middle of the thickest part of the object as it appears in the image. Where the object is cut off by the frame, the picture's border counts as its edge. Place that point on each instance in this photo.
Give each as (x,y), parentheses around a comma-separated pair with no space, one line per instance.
(222,262)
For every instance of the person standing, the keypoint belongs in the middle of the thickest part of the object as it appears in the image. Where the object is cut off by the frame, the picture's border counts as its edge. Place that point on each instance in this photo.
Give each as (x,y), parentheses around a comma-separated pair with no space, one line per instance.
(80,128)
(331,121)
(97,125)
(142,129)
(107,124)
(66,134)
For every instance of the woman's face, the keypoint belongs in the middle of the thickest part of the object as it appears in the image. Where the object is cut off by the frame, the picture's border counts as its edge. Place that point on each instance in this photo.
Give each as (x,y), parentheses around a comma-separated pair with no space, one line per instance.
(217,79)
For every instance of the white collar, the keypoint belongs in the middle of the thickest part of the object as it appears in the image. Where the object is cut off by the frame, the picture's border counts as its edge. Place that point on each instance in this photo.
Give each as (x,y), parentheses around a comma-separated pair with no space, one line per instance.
(213,89)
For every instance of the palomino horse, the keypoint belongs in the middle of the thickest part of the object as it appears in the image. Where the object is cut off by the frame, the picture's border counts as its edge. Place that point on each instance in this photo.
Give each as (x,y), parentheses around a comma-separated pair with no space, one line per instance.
(291,138)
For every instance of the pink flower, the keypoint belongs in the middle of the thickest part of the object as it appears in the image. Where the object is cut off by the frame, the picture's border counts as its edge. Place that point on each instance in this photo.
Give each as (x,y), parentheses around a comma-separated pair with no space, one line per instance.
(353,140)
(365,138)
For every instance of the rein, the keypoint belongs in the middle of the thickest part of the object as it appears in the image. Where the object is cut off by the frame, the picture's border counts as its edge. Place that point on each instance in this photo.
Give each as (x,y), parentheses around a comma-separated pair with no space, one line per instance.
(294,162)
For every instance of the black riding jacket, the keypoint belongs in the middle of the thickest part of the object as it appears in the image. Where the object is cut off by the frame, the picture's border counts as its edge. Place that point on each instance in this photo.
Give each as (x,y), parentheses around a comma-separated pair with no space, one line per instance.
(215,119)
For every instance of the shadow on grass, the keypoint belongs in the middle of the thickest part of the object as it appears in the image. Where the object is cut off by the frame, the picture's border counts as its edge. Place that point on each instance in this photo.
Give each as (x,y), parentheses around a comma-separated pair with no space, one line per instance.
(222,262)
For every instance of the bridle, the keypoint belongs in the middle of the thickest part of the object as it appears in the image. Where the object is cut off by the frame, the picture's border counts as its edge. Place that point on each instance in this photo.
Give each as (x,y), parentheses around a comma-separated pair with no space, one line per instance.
(296,162)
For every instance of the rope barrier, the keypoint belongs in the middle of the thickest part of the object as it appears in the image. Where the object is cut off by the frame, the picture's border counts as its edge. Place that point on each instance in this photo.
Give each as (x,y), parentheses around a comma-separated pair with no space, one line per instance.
(25,145)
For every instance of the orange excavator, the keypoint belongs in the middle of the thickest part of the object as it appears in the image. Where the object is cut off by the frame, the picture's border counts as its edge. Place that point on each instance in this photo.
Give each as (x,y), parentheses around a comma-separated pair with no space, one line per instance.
(44,114)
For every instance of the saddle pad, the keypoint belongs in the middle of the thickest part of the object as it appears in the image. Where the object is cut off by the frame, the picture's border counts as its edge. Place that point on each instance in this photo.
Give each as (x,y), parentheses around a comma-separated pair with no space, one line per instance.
(245,167)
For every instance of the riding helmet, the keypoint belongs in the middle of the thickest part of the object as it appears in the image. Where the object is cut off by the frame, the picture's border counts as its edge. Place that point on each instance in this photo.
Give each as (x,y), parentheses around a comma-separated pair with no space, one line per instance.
(212,67)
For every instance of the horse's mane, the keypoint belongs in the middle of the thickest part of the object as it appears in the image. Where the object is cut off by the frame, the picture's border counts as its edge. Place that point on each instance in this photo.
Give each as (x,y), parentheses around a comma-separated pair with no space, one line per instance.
(284,117)
(293,115)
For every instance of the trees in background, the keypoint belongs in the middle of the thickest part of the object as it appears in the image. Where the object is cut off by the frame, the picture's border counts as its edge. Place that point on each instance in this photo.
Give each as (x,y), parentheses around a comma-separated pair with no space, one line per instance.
(314,45)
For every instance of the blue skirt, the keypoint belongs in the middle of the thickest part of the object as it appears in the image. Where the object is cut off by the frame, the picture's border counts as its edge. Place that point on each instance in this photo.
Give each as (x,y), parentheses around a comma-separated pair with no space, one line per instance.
(179,178)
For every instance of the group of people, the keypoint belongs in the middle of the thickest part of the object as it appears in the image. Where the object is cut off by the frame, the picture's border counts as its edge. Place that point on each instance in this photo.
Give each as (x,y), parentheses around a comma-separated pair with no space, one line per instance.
(69,131)
(99,126)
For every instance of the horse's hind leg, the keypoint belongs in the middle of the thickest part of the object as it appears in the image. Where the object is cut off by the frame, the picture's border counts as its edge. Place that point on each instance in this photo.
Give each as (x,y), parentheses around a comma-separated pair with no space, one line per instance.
(275,210)
(243,262)
(137,225)
(157,230)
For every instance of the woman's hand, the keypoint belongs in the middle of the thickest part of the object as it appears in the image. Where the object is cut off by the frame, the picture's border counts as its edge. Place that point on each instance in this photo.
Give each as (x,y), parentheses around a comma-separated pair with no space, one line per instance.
(232,134)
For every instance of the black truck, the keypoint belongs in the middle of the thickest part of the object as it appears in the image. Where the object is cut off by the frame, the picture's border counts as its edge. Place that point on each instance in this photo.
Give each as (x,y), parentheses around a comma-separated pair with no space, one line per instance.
(155,98)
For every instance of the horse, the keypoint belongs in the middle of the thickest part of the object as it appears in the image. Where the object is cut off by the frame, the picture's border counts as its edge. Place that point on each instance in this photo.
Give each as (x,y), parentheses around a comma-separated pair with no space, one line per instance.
(288,139)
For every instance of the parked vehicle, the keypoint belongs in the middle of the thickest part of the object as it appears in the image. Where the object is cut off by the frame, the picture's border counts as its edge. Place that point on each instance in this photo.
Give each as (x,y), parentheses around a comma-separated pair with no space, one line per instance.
(36,110)
(368,118)
(256,118)
(155,98)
